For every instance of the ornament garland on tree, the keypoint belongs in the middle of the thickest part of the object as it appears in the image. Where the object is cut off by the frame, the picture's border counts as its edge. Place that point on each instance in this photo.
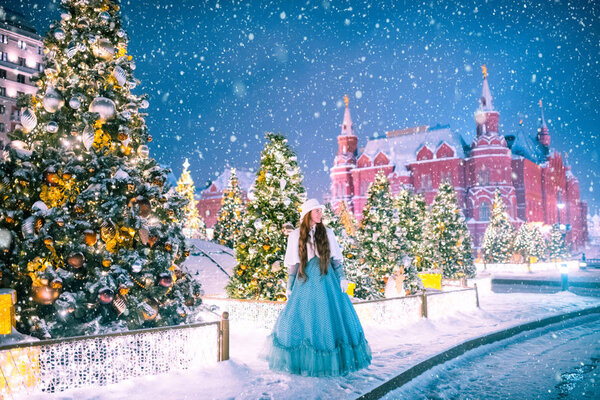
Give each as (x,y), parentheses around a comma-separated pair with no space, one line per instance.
(92,225)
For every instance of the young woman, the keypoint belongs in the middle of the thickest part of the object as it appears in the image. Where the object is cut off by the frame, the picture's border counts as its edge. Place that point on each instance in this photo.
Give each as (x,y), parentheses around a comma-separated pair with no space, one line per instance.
(318,332)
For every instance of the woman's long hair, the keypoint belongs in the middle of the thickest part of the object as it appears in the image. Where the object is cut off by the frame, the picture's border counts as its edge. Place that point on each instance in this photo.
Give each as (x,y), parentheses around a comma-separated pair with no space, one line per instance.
(321,241)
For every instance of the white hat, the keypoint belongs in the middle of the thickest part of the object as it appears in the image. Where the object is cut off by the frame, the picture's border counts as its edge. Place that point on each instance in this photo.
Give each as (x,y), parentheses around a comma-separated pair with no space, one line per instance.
(308,206)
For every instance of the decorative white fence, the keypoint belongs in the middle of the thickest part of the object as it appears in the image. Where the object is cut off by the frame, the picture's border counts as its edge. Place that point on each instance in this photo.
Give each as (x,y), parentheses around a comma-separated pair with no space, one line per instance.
(400,310)
(60,364)
(572,265)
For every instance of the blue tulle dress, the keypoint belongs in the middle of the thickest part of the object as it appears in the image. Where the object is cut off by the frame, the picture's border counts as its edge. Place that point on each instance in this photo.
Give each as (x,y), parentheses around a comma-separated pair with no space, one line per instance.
(318,332)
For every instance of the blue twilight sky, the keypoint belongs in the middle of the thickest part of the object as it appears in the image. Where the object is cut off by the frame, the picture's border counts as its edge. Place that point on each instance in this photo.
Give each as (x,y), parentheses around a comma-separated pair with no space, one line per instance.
(220,74)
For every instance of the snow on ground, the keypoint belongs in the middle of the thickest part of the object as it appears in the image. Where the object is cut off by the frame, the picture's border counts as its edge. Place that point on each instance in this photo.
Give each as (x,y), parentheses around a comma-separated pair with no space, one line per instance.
(211,264)
(557,361)
(395,349)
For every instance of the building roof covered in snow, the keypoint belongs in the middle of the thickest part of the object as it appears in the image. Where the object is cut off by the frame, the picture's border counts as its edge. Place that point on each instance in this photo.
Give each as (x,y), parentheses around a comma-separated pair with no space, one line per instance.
(402,146)
(526,146)
(245,179)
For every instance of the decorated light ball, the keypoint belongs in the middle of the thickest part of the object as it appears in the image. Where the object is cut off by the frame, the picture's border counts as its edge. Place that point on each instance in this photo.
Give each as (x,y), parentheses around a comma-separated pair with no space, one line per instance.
(144,104)
(143,151)
(149,309)
(108,230)
(104,49)
(52,100)
(28,120)
(103,106)
(83,22)
(52,127)
(59,34)
(144,208)
(75,260)
(5,239)
(87,137)
(90,237)
(106,295)
(121,33)
(165,280)
(104,17)
(258,224)
(120,75)
(43,294)
(137,266)
(75,102)
(71,50)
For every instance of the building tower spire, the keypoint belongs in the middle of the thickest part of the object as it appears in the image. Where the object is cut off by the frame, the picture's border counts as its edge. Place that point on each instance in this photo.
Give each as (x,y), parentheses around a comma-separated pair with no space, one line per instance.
(486,116)
(543,132)
(347,125)
(342,187)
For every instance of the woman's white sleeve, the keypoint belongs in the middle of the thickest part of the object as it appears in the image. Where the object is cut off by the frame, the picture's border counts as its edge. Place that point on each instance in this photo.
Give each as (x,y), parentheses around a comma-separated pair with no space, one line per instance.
(291,261)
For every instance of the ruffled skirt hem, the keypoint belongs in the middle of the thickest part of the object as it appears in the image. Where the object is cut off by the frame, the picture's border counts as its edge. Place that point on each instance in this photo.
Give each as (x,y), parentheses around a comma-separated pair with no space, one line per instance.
(305,360)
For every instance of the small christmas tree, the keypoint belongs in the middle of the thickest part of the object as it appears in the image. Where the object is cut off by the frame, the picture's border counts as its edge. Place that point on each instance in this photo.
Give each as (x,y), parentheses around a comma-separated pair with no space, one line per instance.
(411,210)
(96,243)
(499,235)
(193,225)
(530,242)
(231,215)
(556,248)
(272,209)
(382,241)
(347,219)
(447,241)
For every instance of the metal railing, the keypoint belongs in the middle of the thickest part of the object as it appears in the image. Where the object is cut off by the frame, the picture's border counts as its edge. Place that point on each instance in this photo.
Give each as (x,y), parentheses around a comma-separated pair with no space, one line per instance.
(59,364)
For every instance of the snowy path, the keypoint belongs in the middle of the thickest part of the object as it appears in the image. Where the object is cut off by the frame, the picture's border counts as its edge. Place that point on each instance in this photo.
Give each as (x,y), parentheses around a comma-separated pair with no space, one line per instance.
(395,349)
(557,361)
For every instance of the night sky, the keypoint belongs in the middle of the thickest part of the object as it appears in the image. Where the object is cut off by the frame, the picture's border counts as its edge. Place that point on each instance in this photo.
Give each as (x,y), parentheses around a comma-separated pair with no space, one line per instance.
(220,74)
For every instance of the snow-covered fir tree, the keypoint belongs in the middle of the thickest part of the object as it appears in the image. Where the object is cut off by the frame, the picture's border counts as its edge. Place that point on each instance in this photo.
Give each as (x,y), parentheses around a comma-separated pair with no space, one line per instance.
(344,229)
(556,247)
(193,225)
(411,209)
(347,219)
(231,214)
(95,241)
(382,242)
(499,235)
(529,242)
(272,208)
(447,241)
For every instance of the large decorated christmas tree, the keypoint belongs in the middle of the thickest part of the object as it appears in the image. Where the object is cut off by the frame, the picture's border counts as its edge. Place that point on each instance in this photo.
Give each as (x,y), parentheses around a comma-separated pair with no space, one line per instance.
(95,245)
(556,247)
(272,211)
(382,241)
(193,225)
(499,235)
(231,215)
(530,243)
(447,241)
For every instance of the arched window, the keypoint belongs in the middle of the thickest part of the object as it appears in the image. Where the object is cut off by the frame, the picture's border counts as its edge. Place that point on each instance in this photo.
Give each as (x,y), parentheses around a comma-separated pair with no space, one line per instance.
(484,212)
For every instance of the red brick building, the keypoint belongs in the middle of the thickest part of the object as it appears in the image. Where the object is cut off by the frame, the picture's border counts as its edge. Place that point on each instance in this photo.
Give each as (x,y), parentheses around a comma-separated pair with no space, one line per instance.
(209,202)
(534,180)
